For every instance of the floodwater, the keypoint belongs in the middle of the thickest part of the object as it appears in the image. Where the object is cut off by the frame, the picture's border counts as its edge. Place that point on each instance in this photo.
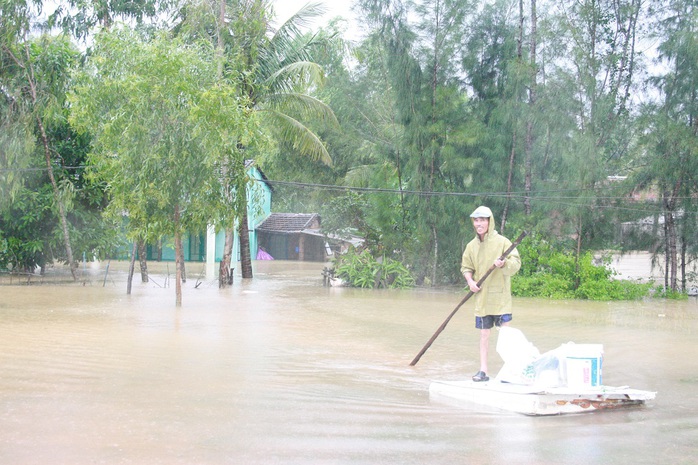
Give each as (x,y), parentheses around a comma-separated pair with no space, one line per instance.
(281,370)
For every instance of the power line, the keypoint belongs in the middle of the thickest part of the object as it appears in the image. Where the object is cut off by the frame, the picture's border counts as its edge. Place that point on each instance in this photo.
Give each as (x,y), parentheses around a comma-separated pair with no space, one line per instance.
(22,170)
(545,196)
(513,194)
(429,193)
(549,196)
(536,195)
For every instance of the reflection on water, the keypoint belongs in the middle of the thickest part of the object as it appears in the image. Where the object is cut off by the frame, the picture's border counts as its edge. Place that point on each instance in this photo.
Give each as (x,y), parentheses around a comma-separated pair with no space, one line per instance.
(282,370)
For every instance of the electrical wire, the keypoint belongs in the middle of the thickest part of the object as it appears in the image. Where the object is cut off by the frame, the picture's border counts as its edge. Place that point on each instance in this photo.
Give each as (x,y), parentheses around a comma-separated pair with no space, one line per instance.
(549,196)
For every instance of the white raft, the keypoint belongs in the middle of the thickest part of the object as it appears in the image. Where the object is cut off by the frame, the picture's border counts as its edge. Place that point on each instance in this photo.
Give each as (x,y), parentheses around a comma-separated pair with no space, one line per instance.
(530,400)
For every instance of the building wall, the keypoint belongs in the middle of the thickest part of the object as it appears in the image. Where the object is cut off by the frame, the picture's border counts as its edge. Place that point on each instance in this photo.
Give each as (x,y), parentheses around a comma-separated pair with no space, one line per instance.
(294,246)
(193,245)
(278,246)
(312,248)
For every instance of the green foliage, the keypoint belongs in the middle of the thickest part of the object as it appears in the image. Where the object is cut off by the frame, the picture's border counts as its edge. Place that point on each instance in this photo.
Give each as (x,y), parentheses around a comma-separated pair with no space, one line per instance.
(436,117)
(34,77)
(667,293)
(32,235)
(81,17)
(163,125)
(361,269)
(25,229)
(411,131)
(596,282)
(348,214)
(16,147)
(549,271)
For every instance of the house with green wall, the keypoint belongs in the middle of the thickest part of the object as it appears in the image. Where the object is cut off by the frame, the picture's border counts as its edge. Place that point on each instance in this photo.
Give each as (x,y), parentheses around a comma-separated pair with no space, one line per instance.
(259,193)
(281,236)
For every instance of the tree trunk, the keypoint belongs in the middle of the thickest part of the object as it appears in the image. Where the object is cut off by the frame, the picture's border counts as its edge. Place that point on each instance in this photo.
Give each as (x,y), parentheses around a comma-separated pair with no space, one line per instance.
(671,245)
(512,158)
(528,163)
(47,154)
(59,203)
(220,46)
(519,41)
(580,225)
(225,272)
(512,154)
(666,257)
(178,258)
(182,266)
(142,254)
(244,233)
(131,268)
(435,238)
(682,263)
(403,209)
(434,143)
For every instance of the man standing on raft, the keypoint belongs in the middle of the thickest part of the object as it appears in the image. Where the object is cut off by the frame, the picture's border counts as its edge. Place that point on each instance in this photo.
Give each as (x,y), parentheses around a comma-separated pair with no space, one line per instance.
(493,300)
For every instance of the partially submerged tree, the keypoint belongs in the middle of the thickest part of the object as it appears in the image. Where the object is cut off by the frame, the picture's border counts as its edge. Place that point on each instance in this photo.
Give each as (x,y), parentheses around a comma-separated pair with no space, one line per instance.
(156,108)
(670,136)
(276,74)
(418,46)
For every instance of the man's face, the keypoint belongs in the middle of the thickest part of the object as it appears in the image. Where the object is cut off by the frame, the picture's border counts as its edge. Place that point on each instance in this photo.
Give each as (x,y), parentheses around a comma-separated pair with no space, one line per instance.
(481,225)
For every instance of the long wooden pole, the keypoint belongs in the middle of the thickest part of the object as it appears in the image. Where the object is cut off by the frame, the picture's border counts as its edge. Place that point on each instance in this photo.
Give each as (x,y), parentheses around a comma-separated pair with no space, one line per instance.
(465,299)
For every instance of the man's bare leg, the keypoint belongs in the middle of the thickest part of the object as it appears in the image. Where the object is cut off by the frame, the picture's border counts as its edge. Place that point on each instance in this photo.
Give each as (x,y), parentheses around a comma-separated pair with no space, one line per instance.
(484,348)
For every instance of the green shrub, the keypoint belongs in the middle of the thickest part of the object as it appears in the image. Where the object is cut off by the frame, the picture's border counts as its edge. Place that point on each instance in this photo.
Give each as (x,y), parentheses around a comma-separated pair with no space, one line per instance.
(363,270)
(549,270)
(541,285)
(661,291)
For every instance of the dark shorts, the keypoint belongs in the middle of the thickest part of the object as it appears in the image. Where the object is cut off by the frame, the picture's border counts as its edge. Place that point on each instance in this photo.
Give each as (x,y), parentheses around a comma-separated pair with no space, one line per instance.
(488,321)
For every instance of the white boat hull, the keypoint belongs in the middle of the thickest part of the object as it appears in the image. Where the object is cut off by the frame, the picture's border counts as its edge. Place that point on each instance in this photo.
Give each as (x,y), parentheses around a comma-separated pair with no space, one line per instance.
(530,400)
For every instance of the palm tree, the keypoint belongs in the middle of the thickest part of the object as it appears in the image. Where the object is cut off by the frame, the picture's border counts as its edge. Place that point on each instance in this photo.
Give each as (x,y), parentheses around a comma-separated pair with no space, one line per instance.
(279,72)
(276,72)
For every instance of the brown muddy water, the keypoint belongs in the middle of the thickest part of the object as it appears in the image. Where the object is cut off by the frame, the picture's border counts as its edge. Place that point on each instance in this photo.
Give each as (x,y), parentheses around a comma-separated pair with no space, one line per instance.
(281,370)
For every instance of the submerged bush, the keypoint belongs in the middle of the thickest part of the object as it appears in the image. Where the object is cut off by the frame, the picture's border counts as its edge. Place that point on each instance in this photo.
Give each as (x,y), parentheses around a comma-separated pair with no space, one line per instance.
(363,270)
(661,291)
(548,272)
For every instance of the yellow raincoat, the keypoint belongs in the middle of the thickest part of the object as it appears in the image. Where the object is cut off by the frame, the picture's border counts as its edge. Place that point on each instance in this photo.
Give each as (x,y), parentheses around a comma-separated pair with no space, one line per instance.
(494,297)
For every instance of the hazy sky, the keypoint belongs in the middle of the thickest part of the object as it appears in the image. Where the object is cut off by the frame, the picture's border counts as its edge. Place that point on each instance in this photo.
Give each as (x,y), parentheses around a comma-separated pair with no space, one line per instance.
(285,8)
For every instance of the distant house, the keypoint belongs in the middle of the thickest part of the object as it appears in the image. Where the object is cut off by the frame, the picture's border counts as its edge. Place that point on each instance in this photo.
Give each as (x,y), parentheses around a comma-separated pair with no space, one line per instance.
(340,244)
(284,236)
(293,236)
(648,228)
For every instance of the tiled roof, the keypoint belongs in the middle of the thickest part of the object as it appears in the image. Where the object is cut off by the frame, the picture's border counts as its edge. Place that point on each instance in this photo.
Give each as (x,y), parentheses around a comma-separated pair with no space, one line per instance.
(287,222)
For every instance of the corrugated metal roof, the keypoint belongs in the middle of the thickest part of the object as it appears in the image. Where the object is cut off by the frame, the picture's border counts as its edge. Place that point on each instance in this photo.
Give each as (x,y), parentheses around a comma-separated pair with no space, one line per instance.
(287,222)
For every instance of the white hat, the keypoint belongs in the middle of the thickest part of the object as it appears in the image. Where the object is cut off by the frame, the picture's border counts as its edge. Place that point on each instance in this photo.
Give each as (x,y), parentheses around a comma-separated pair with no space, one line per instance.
(481,212)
